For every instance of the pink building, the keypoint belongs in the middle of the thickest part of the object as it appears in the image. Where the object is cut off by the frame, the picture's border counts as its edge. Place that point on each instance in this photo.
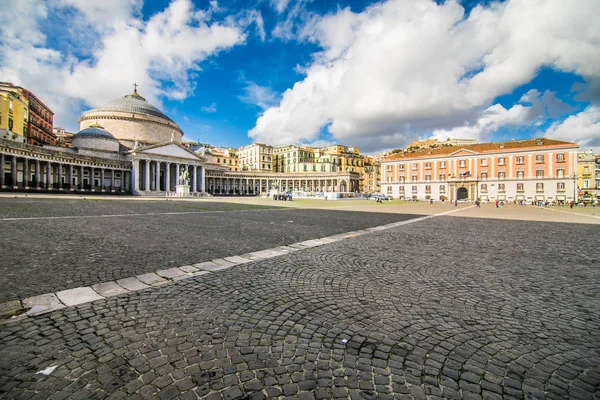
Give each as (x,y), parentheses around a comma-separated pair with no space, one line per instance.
(529,170)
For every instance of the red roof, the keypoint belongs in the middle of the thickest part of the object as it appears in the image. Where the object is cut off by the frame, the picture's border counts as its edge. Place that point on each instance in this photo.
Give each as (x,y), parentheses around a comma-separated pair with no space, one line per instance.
(479,148)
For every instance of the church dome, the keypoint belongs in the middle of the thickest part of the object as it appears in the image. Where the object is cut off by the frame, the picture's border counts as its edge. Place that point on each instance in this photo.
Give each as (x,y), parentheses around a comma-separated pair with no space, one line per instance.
(131,119)
(131,103)
(95,131)
(95,137)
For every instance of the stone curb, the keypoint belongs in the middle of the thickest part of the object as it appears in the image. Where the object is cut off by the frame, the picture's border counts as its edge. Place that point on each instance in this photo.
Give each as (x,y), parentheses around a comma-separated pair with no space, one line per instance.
(45,303)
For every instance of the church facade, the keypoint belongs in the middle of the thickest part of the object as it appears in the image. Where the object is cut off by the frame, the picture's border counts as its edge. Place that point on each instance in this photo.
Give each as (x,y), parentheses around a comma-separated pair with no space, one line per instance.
(126,146)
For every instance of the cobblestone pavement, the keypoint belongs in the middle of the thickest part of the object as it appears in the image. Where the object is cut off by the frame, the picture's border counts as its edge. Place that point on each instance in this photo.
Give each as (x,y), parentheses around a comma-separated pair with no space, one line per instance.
(50,254)
(444,308)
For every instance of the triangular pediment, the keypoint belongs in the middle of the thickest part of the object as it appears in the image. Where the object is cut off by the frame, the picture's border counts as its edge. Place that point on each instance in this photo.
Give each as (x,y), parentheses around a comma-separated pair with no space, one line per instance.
(463,152)
(170,150)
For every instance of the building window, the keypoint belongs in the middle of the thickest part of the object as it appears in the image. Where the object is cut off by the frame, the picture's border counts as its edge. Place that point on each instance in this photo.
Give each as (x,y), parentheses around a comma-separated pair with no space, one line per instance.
(501,161)
(401,167)
(520,160)
(389,190)
(539,173)
(402,179)
(10,105)
(442,177)
(442,164)
(484,175)
(501,188)
(501,174)
(414,189)
(462,163)
(560,173)
(442,188)
(415,166)
(401,189)
(560,186)
(484,162)
(560,157)
(428,178)
(520,187)
(539,159)
(484,188)
(539,187)
(427,165)
(520,174)
(389,168)
(414,178)
(586,183)
(427,189)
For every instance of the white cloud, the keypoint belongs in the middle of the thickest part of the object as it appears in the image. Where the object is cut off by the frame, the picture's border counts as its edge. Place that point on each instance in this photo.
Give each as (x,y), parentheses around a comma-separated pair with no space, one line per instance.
(582,128)
(280,5)
(404,68)
(210,109)
(535,107)
(261,96)
(161,54)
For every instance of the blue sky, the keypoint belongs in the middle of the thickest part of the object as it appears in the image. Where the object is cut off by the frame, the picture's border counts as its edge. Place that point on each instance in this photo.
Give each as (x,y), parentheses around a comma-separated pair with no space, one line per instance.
(371,74)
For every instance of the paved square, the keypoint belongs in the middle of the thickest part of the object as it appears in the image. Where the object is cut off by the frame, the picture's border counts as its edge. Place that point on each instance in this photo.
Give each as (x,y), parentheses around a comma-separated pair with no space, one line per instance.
(58,244)
(447,307)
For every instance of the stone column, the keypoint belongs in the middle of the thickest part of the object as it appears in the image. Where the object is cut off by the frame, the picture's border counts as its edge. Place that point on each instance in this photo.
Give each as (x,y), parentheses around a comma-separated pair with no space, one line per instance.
(13,171)
(157,177)
(80,177)
(168,177)
(70,177)
(195,173)
(25,173)
(102,179)
(112,180)
(202,179)
(37,174)
(125,181)
(59,175)
(147,175)
(92,178)
(176,174)
(49,184)
(135,177)
(1,170)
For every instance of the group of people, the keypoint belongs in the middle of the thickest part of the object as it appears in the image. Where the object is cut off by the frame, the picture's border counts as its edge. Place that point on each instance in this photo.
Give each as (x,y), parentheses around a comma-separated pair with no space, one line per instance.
(283,196)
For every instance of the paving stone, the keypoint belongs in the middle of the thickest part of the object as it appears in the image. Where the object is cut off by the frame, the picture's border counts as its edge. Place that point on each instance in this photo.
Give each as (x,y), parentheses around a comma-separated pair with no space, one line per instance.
(152,279)
(209,266)
(132,284)
(72,297)
(108,289)
(171,273)
(347,319)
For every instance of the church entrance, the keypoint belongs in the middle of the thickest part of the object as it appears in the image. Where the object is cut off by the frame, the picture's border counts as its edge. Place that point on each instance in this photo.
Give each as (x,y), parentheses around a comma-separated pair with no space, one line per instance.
(462,193)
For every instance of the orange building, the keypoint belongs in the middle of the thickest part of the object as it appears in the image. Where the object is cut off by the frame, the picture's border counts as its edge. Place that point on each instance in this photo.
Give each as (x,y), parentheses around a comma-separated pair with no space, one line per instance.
(41,117)
(527,170)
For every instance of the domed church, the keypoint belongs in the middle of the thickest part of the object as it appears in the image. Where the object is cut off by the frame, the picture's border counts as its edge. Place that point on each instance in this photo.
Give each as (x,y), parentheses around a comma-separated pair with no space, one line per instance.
(132,118)
(125,146)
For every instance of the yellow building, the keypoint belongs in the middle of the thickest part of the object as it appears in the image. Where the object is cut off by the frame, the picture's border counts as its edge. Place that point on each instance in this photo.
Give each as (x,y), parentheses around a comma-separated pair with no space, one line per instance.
(223,157)
(370,180)
(256,157)
(586,180)
(14,111)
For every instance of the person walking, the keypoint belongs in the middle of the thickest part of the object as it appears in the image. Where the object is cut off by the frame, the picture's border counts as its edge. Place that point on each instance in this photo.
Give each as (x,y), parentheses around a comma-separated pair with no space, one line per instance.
(496,203)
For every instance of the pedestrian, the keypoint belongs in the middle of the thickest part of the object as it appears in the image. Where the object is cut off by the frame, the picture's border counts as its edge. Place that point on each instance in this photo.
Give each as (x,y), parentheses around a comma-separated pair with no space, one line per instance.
(455,203)
(571,204)
(496,203)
